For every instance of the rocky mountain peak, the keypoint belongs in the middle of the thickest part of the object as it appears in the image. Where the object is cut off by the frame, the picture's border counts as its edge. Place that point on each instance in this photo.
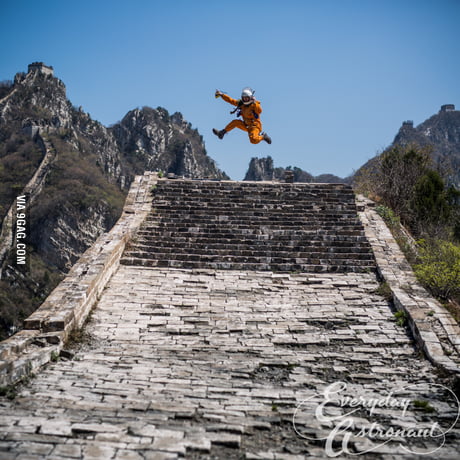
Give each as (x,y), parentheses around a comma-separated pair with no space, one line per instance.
(263,169)
(442,133)
(260,169)
(41,98)
(152,139)
(76,173)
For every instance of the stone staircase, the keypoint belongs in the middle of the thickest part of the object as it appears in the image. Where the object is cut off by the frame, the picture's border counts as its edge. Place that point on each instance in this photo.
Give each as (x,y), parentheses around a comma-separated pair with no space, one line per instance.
(252,226)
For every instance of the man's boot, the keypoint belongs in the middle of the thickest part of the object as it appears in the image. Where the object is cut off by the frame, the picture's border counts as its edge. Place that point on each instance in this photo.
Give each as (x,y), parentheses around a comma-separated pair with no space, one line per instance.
(267,138)
(220,134)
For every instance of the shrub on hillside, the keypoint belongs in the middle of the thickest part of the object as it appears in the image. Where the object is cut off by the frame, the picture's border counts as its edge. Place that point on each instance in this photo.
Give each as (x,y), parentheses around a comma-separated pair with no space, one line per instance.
(439,268)
(404,180)
(399,171)
(430,206)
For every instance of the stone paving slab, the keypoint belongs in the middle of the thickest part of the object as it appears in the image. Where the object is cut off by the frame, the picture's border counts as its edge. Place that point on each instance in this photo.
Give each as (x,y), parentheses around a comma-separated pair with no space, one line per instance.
(203,364)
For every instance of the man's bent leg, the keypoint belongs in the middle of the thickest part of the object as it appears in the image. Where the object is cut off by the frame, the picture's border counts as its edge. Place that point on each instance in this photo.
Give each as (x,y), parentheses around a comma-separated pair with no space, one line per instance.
(236,124)
(254,135)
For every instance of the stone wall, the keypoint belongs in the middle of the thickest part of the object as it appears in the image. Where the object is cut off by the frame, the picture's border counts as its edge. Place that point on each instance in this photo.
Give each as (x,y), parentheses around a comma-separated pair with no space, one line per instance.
(67,307)
(433,328)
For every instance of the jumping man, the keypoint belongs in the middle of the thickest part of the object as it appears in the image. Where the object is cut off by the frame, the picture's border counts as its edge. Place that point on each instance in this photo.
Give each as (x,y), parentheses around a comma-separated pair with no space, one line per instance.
(248,108)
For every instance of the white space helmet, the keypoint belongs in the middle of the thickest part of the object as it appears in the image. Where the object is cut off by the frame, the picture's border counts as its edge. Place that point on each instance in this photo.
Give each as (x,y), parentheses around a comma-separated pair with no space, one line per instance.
(247,95)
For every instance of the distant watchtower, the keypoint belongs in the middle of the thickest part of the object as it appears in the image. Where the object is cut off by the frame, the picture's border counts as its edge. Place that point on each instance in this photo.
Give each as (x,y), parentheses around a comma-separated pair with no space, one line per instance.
(447,108)
(41,67)
(408,124)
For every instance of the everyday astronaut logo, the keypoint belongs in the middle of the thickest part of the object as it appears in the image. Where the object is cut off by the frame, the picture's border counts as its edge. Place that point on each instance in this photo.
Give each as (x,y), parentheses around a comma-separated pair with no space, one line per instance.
(348,417)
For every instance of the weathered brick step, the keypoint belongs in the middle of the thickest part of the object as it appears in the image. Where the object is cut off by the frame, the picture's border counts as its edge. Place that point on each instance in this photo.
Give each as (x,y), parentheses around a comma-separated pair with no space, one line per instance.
(298,205)
(218,205)
(235,230)
(258,187)
(199,209)
(245,227)
(258,197)
(249,234)
(285,241)
(250,256)
(263,210)
(267,213)
(265,240)
(279,199)
(269,203)
(243,196)
(337,247)
(307,227)
(267,196)
(232,264)
(255,257)
(256,219)
(247,253)
(253,223)
(201,183)
(221,234)
(266,245)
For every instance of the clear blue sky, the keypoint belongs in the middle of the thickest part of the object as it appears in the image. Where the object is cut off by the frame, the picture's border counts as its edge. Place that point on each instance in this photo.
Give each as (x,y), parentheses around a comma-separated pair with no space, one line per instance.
(336,78)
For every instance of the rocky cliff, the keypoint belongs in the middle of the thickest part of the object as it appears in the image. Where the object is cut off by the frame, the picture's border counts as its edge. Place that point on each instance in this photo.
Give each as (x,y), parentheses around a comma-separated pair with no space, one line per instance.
(75,173)
(151,139)
(263,169)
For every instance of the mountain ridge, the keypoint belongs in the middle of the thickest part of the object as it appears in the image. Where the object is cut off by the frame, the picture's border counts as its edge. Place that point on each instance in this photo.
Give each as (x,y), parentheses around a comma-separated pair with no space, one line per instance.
(263,169)
(85,168)
(440,133)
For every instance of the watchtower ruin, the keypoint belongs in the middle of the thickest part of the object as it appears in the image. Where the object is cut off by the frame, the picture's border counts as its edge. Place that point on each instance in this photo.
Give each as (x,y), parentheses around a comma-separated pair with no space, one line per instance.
(41,67)
(447,108)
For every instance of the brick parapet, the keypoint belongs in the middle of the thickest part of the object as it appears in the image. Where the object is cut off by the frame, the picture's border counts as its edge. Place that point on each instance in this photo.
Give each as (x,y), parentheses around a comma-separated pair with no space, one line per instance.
(433,328)
(67,307)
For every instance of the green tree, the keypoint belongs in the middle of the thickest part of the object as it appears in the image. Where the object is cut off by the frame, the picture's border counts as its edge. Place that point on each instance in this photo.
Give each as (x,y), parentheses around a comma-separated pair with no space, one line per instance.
(430,206)
(399,170)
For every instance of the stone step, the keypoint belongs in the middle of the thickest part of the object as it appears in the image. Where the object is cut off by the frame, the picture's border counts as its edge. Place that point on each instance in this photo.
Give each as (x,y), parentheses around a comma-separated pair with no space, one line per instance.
(244,254)
(258,186)
(252,224)
(190,196)
(248,256)
(355,236)
(281,201)
(288,246)
(310,227)
(231,264)
(299,211)
(255,221)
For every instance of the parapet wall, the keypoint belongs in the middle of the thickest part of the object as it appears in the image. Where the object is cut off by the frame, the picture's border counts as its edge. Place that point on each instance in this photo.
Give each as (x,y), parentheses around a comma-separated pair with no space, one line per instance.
(66,308)
(432,326)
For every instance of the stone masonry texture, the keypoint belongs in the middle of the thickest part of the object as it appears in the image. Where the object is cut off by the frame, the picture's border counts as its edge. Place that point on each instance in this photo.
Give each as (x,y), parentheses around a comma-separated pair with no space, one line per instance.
(243,361)
(252,225)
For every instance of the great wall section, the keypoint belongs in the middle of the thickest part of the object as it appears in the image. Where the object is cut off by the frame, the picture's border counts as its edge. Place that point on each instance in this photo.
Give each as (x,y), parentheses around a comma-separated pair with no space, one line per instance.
(235,320)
